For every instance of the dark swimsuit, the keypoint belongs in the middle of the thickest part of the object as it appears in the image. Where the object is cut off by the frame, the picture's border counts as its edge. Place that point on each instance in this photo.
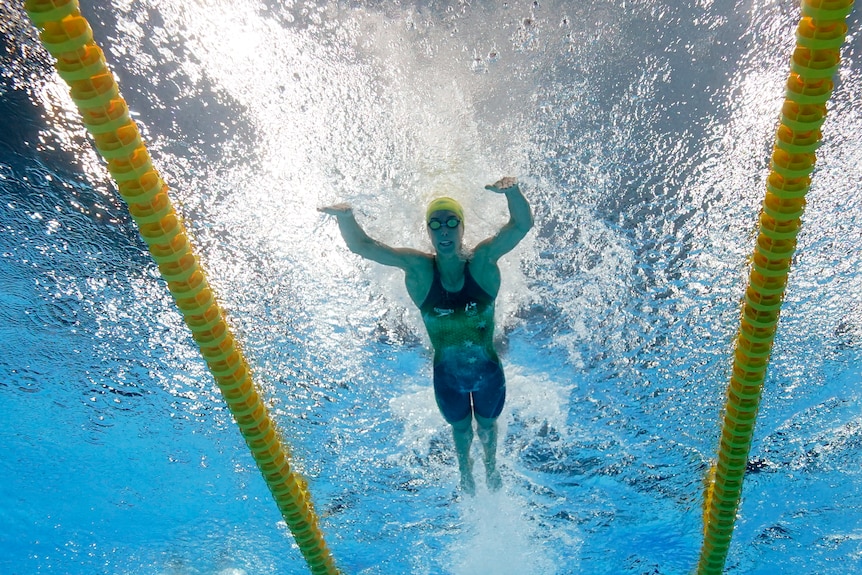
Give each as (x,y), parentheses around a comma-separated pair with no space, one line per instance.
(461,327)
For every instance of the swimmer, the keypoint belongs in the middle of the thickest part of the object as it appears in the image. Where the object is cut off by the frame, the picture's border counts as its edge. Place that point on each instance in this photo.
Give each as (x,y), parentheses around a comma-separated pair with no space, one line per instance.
(455,291)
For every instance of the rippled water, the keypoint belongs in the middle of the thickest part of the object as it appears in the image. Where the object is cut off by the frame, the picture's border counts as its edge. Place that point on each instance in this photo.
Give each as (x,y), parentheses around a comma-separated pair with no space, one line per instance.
(641,131)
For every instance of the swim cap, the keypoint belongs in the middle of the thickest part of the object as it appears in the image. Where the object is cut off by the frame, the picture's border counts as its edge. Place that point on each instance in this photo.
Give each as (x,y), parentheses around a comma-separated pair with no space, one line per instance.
(447,204)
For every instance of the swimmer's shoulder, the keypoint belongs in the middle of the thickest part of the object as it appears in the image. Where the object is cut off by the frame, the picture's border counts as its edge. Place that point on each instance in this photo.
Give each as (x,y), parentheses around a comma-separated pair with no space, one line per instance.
(418,275)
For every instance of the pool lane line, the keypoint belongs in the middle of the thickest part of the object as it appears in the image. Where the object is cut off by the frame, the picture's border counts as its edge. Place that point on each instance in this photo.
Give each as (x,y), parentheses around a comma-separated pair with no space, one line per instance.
(81,63)
(814,62)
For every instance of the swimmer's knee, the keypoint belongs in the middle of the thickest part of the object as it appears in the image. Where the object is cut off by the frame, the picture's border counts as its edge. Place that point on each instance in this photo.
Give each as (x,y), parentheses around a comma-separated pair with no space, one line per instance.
(485,422)
(463,425)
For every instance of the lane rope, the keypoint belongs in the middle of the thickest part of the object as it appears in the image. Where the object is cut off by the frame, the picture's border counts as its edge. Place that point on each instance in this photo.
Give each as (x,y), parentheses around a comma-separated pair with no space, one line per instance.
(819,37)
(81,63)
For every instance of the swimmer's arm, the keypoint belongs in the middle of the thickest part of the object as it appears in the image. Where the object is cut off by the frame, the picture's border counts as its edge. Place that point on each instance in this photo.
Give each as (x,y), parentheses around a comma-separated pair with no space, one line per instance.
(364,245)
(520,221)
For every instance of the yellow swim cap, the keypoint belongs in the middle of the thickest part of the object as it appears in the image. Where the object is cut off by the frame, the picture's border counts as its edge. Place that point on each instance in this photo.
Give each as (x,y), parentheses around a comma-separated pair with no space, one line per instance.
(444,204)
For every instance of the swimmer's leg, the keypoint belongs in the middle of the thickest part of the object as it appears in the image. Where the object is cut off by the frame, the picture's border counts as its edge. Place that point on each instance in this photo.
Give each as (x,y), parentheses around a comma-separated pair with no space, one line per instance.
(487,431)
(462,431)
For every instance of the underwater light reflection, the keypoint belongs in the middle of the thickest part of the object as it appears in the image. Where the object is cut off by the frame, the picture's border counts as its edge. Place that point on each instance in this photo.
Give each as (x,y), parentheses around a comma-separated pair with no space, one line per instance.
(632,125)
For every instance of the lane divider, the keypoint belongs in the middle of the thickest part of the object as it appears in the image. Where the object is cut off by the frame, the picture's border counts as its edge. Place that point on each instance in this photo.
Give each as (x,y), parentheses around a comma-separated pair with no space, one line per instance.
(819,37)
(81,63)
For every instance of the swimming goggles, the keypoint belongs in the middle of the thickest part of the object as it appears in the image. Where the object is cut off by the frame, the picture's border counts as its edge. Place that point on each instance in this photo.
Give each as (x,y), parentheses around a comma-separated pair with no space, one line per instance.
(436,224)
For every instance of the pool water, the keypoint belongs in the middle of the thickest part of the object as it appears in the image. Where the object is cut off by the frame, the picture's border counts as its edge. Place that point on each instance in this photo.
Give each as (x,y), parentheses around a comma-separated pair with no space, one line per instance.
(641,132)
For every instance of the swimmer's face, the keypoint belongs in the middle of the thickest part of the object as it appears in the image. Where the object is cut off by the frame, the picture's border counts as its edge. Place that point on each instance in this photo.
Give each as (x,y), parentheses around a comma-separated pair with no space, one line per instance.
(447,237)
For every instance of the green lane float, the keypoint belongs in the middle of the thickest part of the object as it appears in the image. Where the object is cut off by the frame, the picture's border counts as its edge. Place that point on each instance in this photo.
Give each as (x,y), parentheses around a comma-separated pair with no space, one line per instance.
(81,63)
(814,62)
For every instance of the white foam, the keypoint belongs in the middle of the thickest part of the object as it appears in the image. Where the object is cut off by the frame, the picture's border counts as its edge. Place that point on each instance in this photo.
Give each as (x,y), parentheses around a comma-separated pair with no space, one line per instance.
(500,532)
(422,420)
(537,398)
(501,537)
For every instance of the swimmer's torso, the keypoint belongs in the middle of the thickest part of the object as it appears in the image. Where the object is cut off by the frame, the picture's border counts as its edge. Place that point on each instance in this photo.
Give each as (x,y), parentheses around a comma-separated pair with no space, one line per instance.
(460,325)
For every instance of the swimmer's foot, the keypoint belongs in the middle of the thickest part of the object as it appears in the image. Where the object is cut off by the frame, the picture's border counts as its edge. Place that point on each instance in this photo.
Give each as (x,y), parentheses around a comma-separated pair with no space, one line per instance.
(468,485)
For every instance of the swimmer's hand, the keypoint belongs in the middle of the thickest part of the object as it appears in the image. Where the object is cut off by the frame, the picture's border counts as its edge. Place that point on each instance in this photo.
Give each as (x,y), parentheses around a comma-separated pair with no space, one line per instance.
(337,210)
(503,185)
